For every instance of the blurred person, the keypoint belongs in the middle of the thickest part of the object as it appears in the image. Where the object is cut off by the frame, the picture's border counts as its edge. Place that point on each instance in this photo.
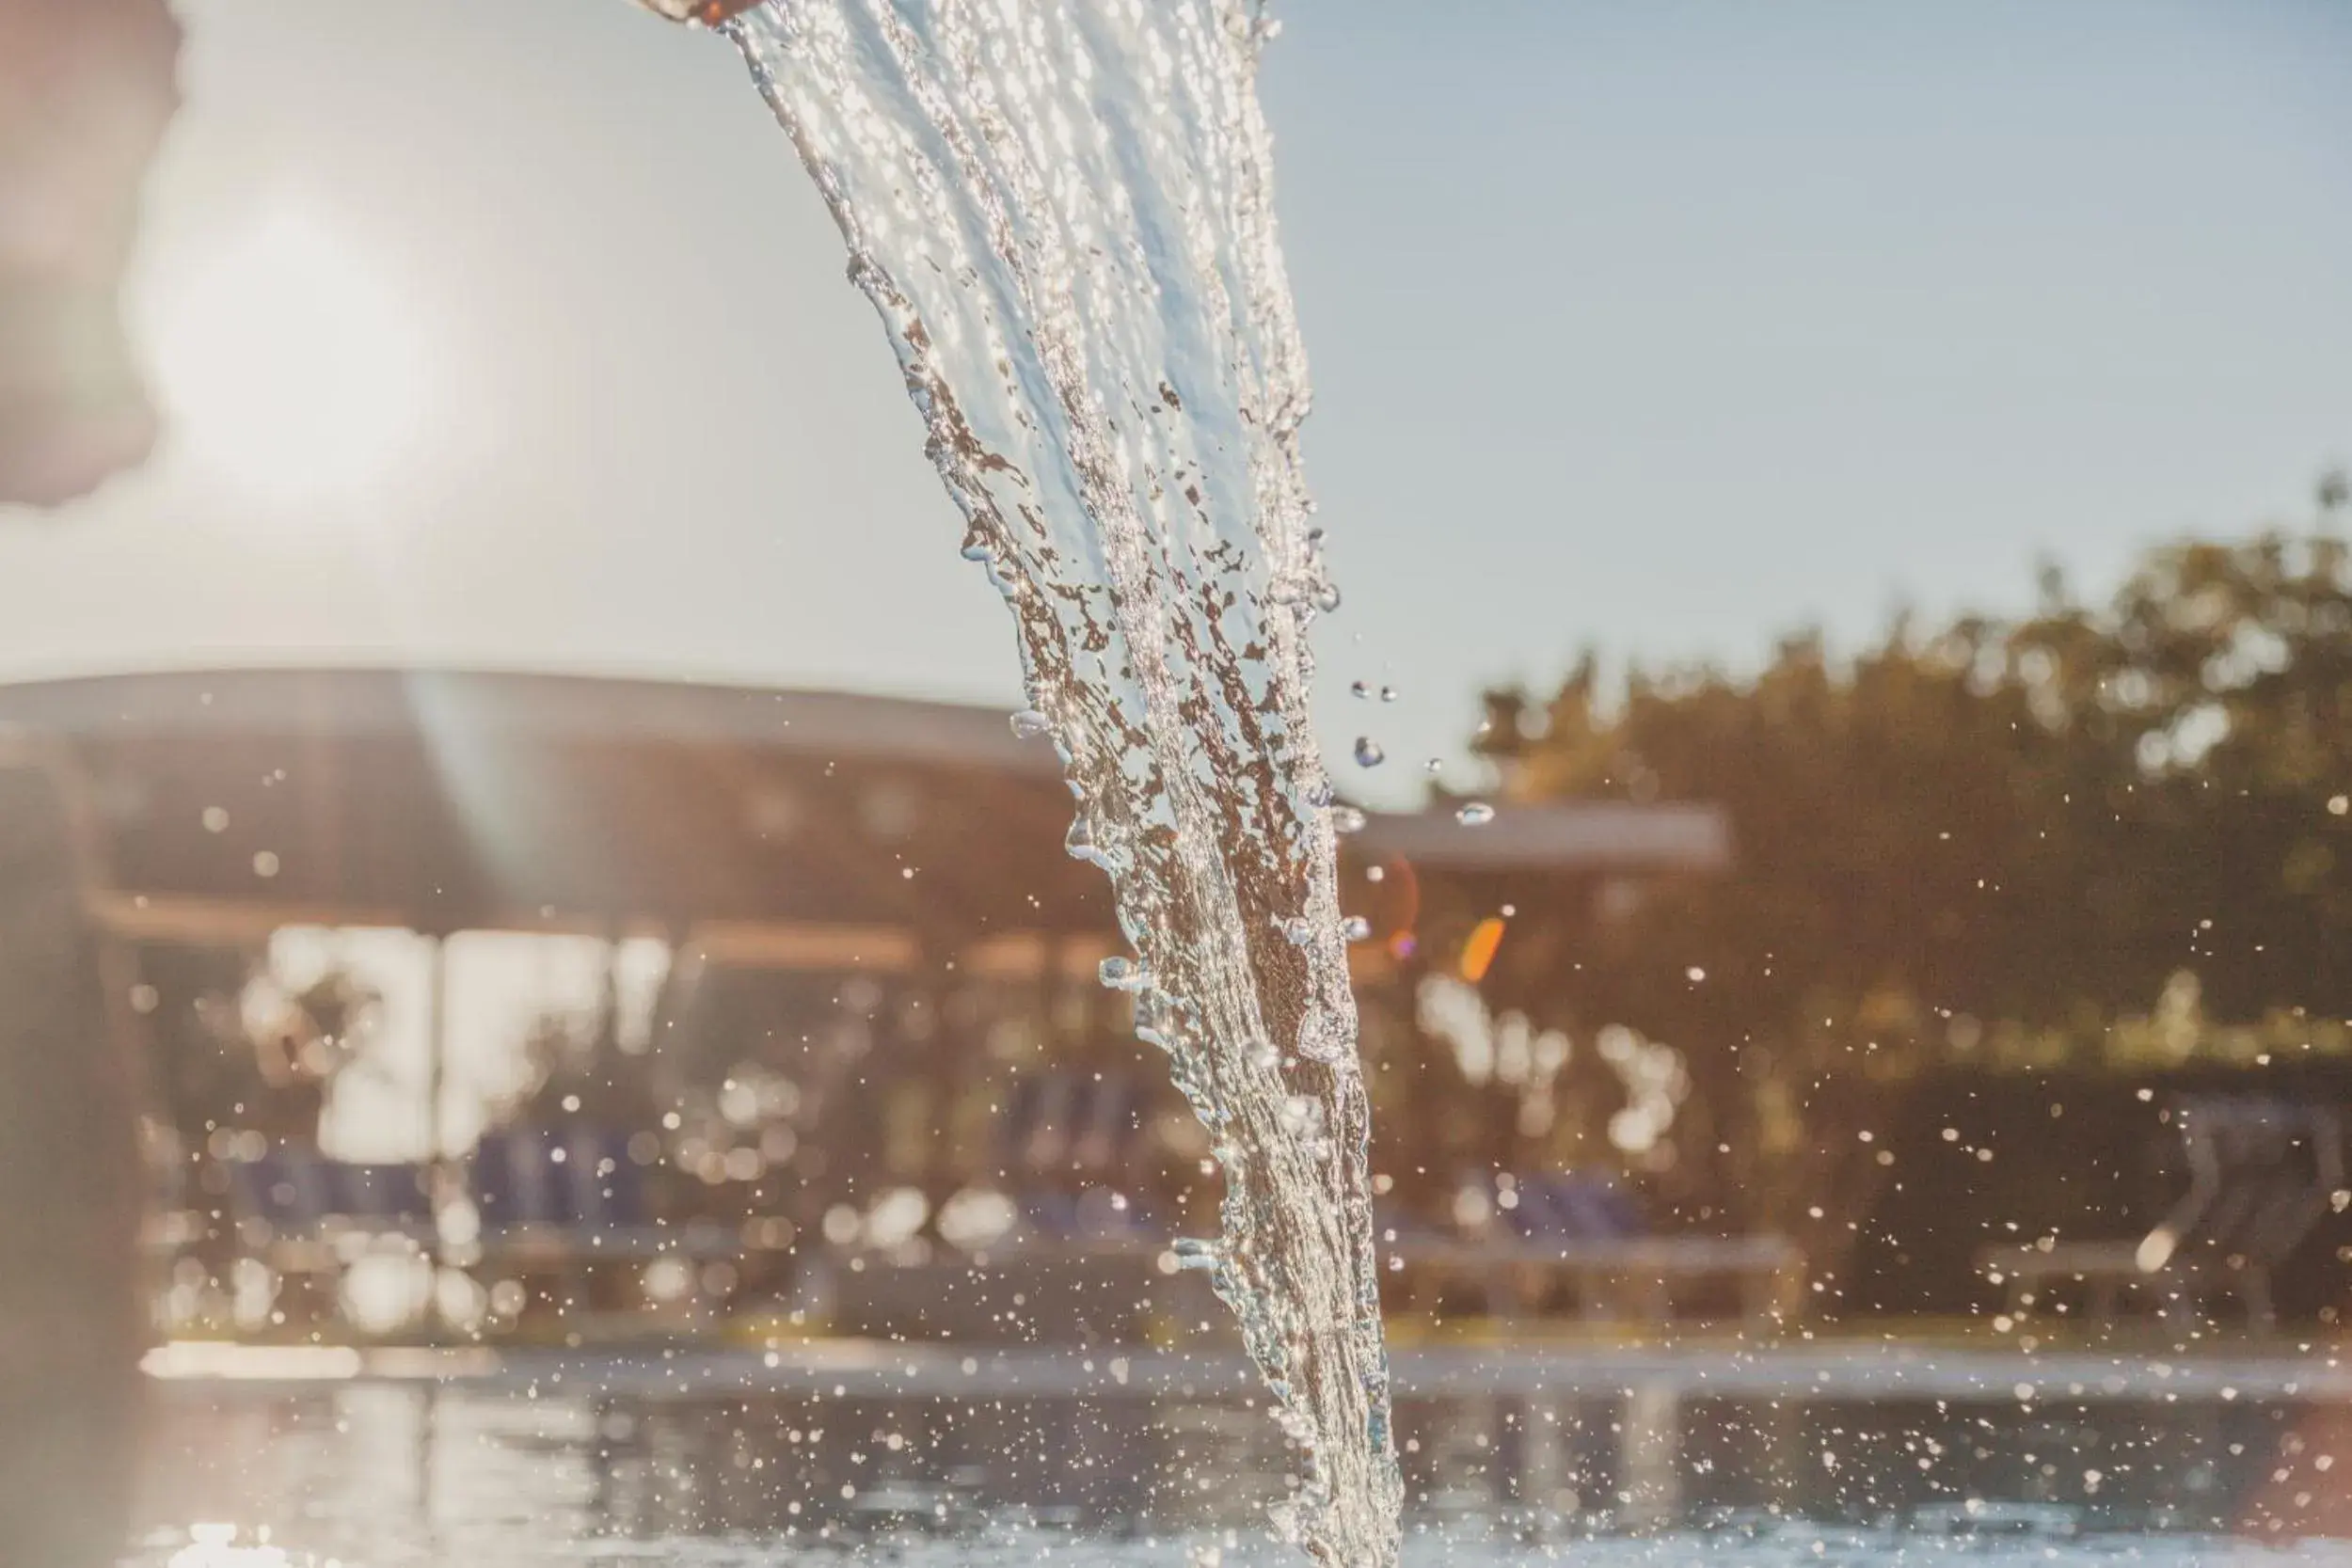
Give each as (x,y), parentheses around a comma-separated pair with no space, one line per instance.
(87,87)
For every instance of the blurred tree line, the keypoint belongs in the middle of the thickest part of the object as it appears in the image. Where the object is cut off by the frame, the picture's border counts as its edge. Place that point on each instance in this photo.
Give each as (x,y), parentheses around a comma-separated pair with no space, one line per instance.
(2109,832)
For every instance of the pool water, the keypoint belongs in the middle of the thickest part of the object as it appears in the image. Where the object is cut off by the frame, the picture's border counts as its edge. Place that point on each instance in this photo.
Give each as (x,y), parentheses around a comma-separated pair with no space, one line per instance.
(1082,1459)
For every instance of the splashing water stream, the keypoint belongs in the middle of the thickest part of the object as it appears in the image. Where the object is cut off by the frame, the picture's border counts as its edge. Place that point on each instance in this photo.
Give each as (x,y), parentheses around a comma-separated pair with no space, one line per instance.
(1063,210)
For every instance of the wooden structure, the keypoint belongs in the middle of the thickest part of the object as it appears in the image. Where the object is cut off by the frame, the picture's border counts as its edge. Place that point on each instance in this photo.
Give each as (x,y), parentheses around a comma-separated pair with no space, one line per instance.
(766,828)
(755,833)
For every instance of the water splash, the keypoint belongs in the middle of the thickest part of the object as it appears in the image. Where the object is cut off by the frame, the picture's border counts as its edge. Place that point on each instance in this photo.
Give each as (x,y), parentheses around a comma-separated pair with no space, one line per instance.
(1063,210)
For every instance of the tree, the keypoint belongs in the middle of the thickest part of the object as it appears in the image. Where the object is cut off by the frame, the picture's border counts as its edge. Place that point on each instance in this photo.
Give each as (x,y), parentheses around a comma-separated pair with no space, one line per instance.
(1987,837)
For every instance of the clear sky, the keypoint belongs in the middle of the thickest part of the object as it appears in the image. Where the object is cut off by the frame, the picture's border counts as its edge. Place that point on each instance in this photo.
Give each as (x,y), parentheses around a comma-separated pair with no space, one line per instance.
(1661,326)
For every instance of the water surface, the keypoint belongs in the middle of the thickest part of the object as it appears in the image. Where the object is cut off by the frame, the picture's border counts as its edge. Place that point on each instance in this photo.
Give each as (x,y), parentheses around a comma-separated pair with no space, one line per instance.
(1101,1471)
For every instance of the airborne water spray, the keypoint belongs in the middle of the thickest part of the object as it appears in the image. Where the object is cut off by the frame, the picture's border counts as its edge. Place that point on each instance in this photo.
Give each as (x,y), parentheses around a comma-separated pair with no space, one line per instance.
(1063,210)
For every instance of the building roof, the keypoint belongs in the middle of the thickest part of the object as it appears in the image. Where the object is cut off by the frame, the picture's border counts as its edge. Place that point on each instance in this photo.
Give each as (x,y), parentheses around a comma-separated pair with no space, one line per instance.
(447,799)
(361,702)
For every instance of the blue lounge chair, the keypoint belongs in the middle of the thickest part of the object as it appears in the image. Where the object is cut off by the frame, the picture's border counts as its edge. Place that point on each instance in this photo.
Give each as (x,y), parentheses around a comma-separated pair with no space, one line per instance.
(1570,1208)
(1061,1125)
(1586,1232)
(2263,1173)
(381,1199)
(511,1179)
(307,1217)
(282,1200)
(560,1195)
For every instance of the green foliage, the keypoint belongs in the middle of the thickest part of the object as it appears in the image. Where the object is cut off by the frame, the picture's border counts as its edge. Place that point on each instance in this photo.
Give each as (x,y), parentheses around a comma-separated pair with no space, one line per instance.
(1991,841)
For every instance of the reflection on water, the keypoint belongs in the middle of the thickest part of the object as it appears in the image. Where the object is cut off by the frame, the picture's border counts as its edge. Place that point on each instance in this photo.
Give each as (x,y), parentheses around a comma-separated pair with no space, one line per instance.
(367,1474)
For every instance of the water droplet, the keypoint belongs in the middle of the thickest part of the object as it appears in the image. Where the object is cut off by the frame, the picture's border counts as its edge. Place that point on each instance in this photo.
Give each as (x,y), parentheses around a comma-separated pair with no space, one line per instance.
(1434,766)
(1346,820)
(1320,1036)
(1356,928)
(1387,694)
(1327,597)
(1120,973)
(1358,688)
(1474,814)
(1157,1022)
(1298,930)
(1301,1117)
(1694,974)
(1080,844)
(1193,1252)
(1368,753)
(1028,724)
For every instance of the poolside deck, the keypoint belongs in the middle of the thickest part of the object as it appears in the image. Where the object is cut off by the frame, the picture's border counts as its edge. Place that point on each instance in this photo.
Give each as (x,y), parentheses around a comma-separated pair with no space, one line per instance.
(866,1368)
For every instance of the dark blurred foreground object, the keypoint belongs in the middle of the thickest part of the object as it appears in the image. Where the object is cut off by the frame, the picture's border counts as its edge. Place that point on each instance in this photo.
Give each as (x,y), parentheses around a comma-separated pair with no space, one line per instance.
(85,89)
(71,1322)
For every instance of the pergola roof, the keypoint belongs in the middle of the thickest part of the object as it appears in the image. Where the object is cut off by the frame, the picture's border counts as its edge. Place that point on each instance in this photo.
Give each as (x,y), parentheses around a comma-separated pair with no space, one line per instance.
(231,802)
(358,703)
(1585,837)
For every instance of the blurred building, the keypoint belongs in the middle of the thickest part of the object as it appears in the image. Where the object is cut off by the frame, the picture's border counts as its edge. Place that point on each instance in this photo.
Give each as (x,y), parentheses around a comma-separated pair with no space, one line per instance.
(871,926)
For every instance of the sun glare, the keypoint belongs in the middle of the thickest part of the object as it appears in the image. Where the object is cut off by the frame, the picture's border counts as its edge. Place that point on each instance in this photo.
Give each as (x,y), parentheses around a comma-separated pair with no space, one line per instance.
(292,367)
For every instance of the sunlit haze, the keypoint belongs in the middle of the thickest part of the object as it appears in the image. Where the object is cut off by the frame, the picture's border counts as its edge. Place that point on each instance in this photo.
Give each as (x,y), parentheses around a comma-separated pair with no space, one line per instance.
(508,334)
(295,374)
